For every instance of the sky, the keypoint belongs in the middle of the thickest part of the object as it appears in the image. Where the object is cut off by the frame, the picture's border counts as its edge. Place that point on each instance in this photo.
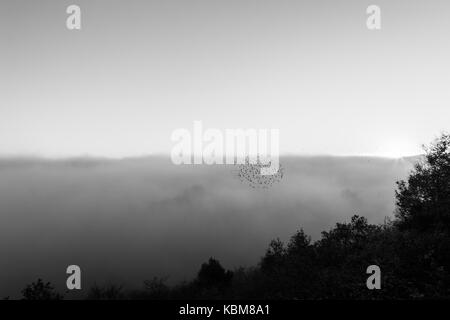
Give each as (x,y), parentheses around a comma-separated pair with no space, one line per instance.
(138,70)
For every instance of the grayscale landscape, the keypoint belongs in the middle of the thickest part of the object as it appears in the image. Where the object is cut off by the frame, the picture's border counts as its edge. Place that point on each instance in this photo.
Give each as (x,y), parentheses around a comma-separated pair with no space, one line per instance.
(128,220)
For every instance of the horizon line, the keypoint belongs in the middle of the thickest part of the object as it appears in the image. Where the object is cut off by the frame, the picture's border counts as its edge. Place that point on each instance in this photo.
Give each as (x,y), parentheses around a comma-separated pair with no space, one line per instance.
(87,156)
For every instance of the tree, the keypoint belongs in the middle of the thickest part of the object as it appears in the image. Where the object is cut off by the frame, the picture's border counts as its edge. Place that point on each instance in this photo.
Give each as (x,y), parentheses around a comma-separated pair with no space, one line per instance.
(423,215)
(423,201)
(40,291)
(212,274)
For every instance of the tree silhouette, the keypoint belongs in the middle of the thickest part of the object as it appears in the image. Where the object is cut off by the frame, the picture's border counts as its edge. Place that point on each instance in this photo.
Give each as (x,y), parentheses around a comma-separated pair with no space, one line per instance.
(40,291)
(423,214)
(212,274)
(423,201)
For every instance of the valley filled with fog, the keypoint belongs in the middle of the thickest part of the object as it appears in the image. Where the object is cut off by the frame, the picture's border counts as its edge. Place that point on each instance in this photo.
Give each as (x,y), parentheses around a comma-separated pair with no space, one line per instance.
(125,221)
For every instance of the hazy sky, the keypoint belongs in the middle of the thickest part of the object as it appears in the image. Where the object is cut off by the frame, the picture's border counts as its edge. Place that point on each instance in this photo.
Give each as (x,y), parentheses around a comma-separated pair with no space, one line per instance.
(140,69)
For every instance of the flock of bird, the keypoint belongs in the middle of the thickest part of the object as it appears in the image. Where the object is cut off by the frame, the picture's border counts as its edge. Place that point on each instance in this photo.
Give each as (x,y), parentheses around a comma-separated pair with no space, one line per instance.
(250,173)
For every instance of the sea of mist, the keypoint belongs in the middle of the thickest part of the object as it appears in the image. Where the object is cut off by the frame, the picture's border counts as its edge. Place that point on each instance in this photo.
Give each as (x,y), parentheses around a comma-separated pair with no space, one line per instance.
(125,221)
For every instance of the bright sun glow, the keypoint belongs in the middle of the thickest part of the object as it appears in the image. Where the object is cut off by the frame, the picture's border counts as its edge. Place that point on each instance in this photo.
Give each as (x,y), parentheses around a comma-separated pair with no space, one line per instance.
(397,148)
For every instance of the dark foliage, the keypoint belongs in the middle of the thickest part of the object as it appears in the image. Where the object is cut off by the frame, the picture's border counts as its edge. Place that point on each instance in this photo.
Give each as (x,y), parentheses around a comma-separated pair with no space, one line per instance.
(423,202)
(40,291)
(213,275)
